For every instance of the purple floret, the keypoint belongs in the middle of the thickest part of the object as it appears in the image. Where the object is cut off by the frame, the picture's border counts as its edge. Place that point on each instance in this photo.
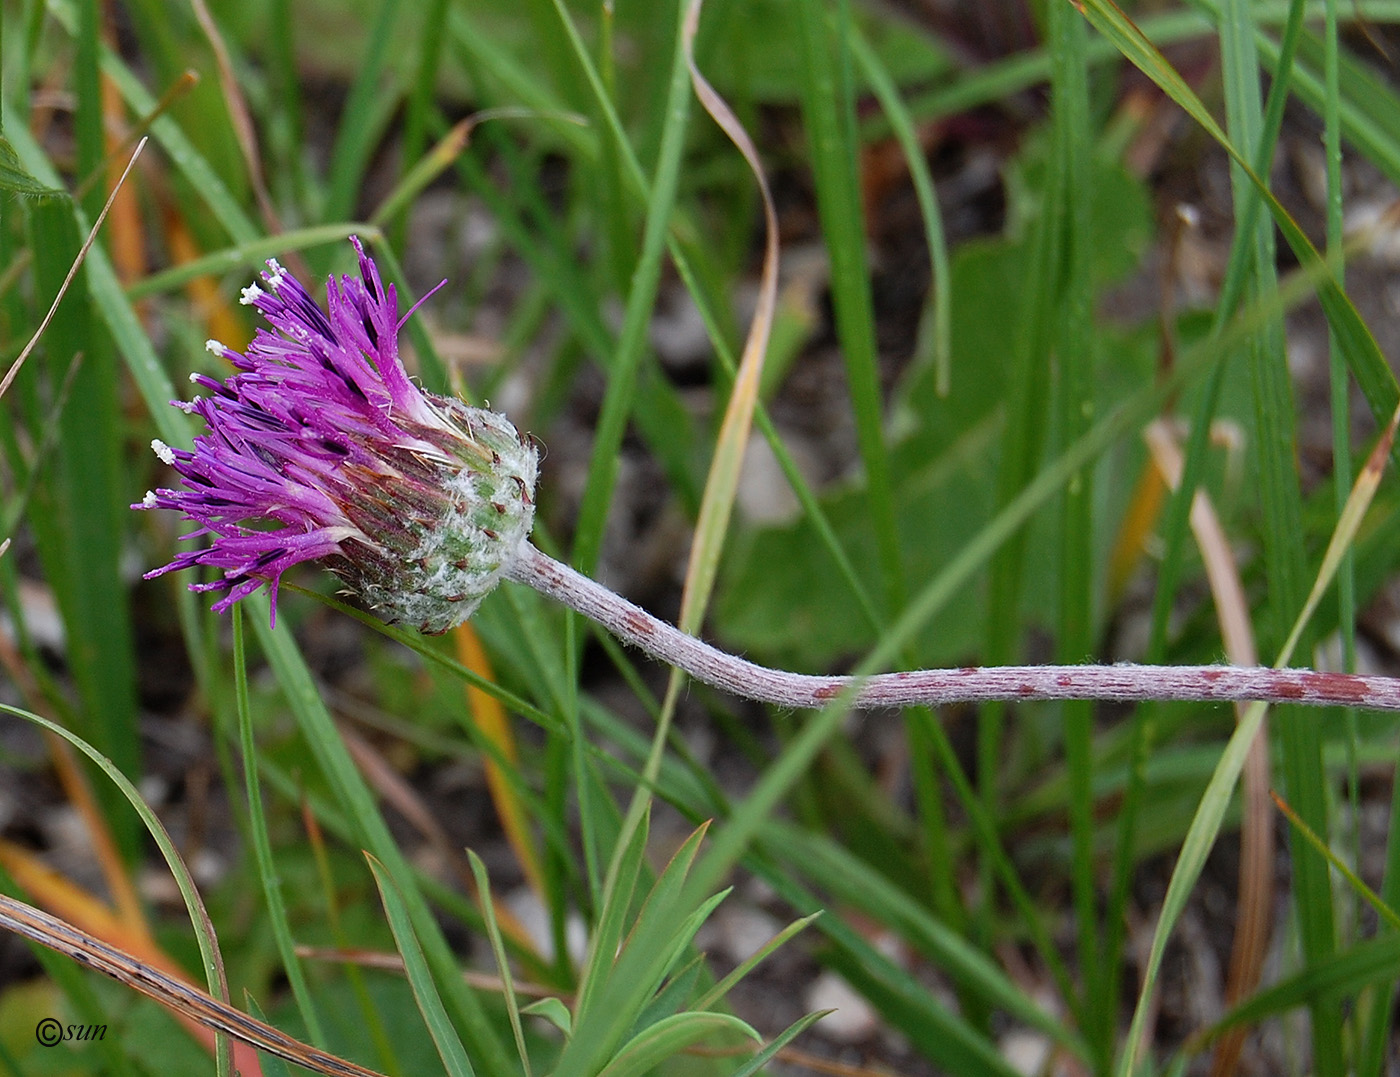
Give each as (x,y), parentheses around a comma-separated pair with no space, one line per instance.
(320,416)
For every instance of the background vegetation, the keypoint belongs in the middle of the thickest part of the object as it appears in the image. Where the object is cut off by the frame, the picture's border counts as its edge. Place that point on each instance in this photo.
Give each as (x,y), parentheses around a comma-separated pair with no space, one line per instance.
(989,295)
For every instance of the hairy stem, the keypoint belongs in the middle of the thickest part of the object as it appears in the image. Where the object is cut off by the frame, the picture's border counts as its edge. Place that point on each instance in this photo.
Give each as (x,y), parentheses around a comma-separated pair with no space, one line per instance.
(1122,682)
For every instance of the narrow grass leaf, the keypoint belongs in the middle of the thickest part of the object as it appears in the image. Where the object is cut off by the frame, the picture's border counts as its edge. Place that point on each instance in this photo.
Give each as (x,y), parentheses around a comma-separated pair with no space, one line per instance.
(733,439)
(420,978)
(367,102)
(612,916)
(553,1011)
(249,255)
(498,948)
(15,180)
(669,1037)
(712,997)
(1342,974)
(371,832)
(262,843)
(1384,911)
(828,115)
(272,1065)
(771,1049)
(212,959)
(936,341)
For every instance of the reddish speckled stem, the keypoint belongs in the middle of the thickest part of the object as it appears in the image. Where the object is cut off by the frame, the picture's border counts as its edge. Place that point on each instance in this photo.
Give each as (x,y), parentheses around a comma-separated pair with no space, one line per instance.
(1123,682)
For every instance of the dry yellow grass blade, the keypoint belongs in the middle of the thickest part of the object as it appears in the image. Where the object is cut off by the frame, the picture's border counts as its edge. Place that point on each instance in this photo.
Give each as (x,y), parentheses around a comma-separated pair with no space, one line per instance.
(490,717)
(723,479)
(1254,903)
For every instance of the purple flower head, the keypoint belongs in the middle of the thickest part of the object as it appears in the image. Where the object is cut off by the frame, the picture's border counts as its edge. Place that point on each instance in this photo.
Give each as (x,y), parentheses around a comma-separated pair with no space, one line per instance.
(321,448)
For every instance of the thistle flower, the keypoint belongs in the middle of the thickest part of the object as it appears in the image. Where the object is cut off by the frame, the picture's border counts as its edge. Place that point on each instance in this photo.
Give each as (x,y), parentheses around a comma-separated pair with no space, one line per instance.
(320,448)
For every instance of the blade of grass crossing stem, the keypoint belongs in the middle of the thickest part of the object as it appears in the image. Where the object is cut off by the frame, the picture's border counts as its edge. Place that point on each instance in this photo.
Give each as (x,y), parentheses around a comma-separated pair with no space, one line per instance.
(420,978)
(1176,525)
(248,256)
(829,117)
(1341,463)
(733,836)
(78,510)
(498,948)
(1297,735)
(211,959)
(1073,336)
(1210,814)
(939,340)
(354,799)
(717,502)
(262,844)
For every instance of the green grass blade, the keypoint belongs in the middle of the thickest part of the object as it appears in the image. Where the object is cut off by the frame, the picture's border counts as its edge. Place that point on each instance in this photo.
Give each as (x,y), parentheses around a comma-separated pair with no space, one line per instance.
(248,256)
(262,844)
(828,115)
(938,343)
(618,400)
(670,1036)
(420,978)
(360,119)
(1296,734)
(79,509)
(370,831)
(1073,335)
(498,948)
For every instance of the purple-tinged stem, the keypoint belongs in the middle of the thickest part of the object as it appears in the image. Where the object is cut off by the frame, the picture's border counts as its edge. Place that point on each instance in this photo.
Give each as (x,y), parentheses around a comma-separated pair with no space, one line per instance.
(1121,682)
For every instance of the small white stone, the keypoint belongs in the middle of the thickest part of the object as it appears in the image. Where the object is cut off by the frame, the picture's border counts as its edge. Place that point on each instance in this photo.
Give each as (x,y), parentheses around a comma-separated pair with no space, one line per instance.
(1025,1052)
(854,1019)
(164,451)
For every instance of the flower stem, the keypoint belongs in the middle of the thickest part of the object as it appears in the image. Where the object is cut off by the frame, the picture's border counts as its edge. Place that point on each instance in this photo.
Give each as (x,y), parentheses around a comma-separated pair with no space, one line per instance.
(1120,682)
